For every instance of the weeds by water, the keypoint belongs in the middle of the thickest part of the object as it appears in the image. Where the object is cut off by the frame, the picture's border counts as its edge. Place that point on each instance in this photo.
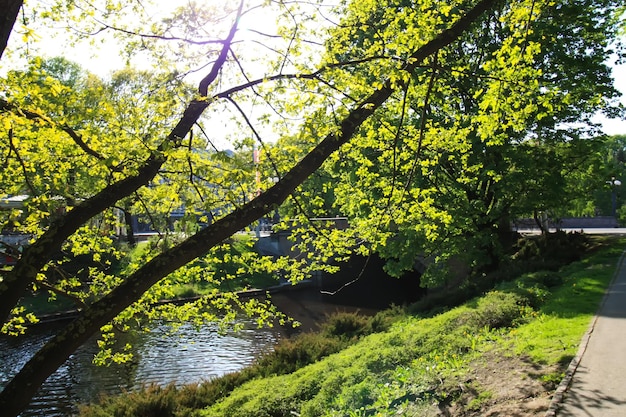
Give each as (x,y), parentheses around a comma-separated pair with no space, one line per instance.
(339,331)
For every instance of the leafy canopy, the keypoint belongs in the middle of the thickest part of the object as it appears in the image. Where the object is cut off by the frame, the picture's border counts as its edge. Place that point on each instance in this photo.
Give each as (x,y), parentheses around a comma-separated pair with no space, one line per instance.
(434,124)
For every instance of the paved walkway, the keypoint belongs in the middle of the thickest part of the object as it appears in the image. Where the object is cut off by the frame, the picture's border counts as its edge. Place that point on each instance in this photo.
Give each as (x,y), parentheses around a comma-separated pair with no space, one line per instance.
(598,384)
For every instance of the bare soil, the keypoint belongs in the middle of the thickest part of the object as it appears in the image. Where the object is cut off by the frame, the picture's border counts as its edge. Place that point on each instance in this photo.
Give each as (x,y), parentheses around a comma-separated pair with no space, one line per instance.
(500,385)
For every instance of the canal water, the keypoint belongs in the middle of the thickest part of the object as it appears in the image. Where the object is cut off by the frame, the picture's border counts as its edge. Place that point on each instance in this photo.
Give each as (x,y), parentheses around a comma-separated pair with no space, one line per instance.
(187,356)
(161,357)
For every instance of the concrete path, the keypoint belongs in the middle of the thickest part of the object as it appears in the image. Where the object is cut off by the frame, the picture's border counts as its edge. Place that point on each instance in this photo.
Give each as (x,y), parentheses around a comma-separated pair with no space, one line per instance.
(598,383)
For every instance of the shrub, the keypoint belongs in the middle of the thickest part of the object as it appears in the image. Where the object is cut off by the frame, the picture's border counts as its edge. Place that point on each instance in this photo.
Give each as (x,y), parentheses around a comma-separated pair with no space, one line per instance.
(292,354)
(442,300)
(152,401)
(495,310)
(533,287)
(552,250)
(345,325)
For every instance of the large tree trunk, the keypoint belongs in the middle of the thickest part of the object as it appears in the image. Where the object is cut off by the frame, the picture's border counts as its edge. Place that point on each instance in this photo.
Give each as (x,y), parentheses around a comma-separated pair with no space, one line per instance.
(10,9)
(18,393)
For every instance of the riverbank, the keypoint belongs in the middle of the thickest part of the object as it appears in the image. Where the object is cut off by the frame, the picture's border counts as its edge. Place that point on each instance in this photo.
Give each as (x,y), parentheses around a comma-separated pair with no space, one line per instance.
(502,353)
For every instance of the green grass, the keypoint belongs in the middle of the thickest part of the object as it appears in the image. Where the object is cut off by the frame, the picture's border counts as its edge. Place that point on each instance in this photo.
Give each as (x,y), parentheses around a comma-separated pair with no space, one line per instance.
(419,361)
(386,373)
(554,333)
(41,304)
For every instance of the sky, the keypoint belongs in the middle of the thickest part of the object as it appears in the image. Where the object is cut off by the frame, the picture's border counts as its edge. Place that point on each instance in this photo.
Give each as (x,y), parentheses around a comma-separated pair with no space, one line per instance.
(107,59)
(616,126)
(102,65)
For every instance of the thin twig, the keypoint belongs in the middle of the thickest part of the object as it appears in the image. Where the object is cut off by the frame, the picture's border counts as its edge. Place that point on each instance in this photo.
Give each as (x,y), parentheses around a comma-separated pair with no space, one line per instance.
(420,141)
(190,164)
(256,134)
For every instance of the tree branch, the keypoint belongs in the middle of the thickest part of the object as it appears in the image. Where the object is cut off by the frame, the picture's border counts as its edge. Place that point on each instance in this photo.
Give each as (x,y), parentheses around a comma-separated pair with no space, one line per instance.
(10,10)
(36,255)
(13,148)
(255,133)
(20,389)
(308,76)
(31,115)
(422,132)
(206,81)
(106,26)
(76,300)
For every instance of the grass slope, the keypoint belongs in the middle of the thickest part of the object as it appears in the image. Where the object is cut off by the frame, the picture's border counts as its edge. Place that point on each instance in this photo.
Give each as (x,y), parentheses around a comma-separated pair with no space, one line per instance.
(499,354)
(420,365)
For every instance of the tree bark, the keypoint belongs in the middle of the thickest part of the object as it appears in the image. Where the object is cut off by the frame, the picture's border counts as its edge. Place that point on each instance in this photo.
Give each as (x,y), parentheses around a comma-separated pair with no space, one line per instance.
(19,391)
(10,10)
(130,232)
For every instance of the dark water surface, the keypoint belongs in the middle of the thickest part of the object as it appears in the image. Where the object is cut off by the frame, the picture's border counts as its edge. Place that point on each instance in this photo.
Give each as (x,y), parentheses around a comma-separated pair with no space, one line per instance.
(160,356)
(189,355)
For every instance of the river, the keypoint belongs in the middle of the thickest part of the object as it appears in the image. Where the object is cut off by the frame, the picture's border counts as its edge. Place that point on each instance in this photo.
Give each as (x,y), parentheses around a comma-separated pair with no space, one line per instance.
(189,355)
(160,357)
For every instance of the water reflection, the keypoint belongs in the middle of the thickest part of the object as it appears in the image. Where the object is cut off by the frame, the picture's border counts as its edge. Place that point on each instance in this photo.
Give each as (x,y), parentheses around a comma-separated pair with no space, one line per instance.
(162,357)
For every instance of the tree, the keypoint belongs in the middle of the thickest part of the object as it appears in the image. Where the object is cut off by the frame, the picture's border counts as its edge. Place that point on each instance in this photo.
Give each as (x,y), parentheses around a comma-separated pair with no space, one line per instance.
(11,9)
(479,135)
(592,187)
(128,289)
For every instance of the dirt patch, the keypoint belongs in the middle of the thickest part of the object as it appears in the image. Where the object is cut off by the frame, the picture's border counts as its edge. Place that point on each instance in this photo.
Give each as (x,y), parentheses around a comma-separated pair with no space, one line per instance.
(498,385)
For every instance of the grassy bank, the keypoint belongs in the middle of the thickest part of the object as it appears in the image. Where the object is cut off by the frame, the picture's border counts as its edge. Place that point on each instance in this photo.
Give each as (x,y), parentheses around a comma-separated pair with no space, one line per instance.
(468,360)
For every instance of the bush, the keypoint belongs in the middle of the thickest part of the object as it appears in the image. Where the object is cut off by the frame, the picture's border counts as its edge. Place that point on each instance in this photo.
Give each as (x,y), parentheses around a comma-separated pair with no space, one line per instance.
(292,354)
(534,287)
(552,250)
(345,325)
(496,309)
(439,301)
(152,401)
(338,331)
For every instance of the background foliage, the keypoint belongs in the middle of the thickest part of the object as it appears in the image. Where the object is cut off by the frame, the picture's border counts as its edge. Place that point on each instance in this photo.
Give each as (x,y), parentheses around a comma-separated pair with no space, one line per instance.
(455,118)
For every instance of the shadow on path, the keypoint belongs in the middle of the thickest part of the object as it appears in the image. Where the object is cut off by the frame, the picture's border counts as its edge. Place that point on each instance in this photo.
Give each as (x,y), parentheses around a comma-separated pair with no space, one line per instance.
(596,382)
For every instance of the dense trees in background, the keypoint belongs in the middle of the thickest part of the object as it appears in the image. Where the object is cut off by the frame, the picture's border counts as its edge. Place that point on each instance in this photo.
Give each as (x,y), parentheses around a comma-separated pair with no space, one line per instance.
(600,189)
(429,124)
(480,135)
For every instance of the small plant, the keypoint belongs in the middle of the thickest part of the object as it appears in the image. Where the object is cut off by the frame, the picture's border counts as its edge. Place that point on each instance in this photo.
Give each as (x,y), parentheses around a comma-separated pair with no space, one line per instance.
(292,354)
(478,403)
(552,380)
(345,325)
(495,310)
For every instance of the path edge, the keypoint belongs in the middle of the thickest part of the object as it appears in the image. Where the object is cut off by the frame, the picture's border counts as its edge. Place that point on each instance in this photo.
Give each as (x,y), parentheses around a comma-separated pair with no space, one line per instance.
(560,391)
